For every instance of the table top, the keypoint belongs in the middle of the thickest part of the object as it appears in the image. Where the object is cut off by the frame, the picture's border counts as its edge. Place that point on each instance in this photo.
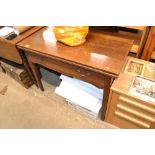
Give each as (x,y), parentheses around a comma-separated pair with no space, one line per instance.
(101,51)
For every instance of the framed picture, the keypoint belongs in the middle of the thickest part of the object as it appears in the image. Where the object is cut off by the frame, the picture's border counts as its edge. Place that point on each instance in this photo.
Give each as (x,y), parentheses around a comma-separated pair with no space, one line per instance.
(134,67)
(143,88)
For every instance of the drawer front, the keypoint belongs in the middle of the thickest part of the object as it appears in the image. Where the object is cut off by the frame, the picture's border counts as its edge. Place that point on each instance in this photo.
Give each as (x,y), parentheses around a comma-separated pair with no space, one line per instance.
(8,51)
(139,113)
(74,70)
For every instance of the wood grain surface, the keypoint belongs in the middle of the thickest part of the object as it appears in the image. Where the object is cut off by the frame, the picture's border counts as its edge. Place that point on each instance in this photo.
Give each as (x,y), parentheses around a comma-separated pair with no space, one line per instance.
(100,51)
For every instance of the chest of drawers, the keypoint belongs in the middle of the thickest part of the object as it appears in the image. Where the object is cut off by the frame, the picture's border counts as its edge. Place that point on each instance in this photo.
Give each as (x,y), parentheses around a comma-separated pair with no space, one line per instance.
(126,110)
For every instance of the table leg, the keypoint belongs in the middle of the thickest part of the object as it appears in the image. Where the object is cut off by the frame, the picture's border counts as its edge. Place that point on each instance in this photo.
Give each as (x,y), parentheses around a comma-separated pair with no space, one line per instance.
(36,73)
(105,97)
(26,65)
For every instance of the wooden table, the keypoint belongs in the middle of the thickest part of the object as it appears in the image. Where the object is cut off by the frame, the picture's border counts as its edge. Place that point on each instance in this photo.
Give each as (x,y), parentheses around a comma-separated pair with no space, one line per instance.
(98,61)
(9,51)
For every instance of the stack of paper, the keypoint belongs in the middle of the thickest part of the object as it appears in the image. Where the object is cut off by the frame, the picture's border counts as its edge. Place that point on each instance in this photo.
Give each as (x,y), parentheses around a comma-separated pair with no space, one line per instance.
(81,94)
(5,31)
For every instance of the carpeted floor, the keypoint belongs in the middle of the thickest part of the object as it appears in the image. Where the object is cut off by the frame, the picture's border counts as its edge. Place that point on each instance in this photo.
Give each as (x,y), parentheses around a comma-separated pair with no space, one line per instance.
(31,108)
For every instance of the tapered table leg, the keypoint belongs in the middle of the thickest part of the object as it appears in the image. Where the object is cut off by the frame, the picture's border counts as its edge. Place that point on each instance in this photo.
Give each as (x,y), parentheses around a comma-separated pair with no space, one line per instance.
(36,73)
(105,97)
(27,67)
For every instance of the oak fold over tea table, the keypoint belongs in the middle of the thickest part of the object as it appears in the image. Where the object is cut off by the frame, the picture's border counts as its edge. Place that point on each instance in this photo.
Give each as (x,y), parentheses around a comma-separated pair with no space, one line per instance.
(98,61)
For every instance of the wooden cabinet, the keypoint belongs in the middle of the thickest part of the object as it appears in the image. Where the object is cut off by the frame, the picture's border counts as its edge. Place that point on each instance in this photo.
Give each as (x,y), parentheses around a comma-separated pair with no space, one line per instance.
(130,111)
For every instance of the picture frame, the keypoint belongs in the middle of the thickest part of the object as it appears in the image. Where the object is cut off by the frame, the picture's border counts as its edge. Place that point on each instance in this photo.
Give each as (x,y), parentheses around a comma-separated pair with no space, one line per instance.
(134,67)
(143,88)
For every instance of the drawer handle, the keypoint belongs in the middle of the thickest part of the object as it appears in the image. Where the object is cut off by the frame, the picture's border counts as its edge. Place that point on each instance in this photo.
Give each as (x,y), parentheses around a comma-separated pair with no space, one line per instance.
(84,75)
(137,105)
(133,120)
(136,113)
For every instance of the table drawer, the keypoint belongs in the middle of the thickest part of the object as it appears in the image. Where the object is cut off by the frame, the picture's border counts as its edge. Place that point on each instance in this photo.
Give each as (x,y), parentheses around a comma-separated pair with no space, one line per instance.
(71,69)
(139,113)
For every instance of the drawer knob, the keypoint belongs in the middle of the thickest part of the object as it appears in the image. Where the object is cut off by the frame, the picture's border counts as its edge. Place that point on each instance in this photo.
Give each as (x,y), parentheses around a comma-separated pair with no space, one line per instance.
(83,74)
(78,70)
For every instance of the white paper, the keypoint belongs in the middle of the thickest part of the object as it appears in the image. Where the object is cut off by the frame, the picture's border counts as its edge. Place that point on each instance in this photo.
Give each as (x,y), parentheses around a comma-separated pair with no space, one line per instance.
(89,112)
(6,31)
(95,111)
(89,88)
(78,96)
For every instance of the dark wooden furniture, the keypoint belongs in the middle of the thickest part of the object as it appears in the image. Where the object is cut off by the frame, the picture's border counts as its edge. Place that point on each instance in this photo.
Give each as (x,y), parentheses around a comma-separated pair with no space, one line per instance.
(149,48)
(98,61)
(9,51)
(17,72)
